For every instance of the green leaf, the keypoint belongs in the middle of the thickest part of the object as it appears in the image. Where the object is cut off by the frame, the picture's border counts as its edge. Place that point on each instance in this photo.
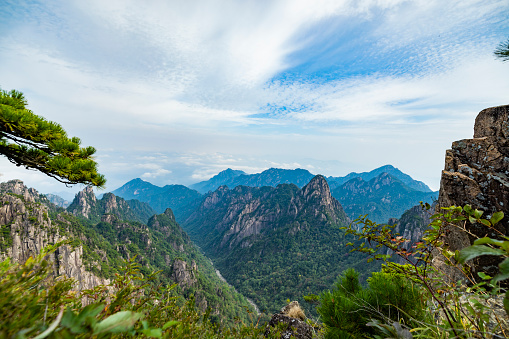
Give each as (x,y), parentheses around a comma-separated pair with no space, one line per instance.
(506,302)
(483,276)
(487,240)
(478,214)
(118,322)
(170,324)
(504,271)
(153,332)
(496,217)
(468,209)
(472,219)
(485,222)
(477,250)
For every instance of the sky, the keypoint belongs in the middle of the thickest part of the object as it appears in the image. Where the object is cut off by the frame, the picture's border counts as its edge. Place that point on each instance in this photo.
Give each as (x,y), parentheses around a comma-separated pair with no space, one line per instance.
(173,92)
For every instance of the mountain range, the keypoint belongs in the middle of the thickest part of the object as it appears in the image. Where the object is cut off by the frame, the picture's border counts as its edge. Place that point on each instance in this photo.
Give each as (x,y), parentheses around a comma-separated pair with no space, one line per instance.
(275,243)
(383,193)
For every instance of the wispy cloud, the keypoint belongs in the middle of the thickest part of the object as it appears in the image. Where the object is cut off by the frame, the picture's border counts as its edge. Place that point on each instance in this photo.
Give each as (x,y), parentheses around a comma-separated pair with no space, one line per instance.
(200,86)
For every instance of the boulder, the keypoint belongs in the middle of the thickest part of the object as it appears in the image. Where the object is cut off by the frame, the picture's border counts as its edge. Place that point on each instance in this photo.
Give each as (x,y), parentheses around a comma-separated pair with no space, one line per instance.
(291,322)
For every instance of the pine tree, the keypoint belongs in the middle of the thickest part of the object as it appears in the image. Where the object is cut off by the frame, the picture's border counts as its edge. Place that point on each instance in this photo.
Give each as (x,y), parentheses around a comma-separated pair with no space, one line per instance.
(29,140)
(502,51)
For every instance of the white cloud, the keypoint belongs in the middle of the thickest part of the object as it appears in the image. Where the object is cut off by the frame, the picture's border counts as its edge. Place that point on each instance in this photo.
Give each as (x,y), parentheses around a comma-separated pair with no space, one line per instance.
(187,80)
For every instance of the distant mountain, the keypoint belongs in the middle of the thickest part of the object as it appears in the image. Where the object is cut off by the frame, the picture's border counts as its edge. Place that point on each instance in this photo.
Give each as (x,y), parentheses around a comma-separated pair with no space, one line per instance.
(85,204)
(382,197)
(275,243)
(57,200)
(271,177)
(217,180)
(389,169)
(176,197)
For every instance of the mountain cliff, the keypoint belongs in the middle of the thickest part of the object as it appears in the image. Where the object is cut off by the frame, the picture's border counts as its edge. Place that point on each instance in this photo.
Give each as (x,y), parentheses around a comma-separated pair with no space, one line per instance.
(476,173)
(275,243)
(29,222)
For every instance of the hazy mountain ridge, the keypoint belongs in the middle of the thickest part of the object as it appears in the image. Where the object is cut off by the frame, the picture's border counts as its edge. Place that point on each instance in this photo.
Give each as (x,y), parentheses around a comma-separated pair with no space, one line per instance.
(382,197)
(220,179)
(176,197)
(274,243)
(389,169)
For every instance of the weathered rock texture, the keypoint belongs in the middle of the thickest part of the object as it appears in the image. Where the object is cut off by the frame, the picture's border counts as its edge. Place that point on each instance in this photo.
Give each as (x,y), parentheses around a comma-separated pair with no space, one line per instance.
(244,212)
(291,323)
(411,226)
(477,173)
(26,229)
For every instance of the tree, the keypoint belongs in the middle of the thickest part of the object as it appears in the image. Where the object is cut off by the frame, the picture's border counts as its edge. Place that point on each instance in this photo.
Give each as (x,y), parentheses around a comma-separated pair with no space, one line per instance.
(502,51)
(29,140)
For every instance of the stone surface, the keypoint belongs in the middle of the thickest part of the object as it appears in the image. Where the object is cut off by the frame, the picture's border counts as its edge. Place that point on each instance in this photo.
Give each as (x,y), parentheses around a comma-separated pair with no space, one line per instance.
(291,322)
(22,210)
(477,173)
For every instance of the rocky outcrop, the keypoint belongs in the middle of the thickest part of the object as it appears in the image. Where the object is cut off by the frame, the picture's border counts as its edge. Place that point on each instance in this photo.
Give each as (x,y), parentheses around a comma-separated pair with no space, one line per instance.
(86,205)
(182,274)
(477,173)
(84,202)
(57,200)
(291,322)
(27,229)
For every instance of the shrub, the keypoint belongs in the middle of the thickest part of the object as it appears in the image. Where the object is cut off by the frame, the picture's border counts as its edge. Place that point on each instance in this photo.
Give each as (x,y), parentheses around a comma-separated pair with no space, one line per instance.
(347,309)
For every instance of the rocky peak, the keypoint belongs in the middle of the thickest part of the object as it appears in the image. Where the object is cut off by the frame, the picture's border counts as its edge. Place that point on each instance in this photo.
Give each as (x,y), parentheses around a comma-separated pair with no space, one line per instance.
(169,213)
(110,203)
(476,173)
(317,188)
(84,202)
(17,187)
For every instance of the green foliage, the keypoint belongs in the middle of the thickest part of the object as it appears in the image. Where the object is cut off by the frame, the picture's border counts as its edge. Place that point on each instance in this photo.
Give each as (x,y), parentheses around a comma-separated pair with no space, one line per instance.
(502,51)
(347,309)
(457,310)
(294,255)
(35,304)
(29,140)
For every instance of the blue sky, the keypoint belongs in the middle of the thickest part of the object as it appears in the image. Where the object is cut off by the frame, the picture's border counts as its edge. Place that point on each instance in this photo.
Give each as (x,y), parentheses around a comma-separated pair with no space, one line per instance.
(174,91)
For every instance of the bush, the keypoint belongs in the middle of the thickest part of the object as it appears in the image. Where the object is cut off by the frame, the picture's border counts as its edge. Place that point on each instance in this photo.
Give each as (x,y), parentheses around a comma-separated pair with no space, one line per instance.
(35,304)
(348,308)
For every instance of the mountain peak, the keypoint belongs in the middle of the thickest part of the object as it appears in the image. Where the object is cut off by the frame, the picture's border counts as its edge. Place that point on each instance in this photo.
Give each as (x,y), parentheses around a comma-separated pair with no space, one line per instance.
(317,188)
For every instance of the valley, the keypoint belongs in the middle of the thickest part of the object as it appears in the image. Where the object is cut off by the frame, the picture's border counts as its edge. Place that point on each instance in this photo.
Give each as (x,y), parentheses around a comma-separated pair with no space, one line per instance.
(274,236)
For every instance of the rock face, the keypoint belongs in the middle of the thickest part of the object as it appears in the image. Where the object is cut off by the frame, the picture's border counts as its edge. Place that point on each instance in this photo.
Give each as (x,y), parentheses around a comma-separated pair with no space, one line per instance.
(182,274)
(477,173)
(244,212)
(291,319)
(26,229)
(412,225)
